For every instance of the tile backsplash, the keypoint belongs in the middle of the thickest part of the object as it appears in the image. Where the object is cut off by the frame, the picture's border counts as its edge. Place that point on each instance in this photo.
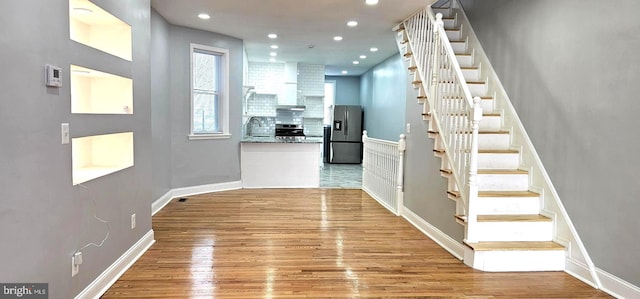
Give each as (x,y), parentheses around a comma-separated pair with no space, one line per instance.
(268,80)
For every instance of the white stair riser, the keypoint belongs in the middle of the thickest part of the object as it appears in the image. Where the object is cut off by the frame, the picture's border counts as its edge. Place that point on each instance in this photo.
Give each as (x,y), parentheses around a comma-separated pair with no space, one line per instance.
(498,161)
(468,74)
(446,12)
(508,205)
(514,231)
(491,123)
(512,261)
(454,34)
(503,182)
(465,60)
(471,74)
(493,141)
(459,47)
(449,23)
(478,89)
(487,106)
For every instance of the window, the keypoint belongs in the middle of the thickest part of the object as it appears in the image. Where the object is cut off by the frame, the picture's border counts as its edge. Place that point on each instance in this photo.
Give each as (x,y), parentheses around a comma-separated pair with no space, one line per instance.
(209,92)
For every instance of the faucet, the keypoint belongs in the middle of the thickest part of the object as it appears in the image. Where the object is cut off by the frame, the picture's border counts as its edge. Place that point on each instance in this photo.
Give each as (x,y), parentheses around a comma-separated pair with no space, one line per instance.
(251,123)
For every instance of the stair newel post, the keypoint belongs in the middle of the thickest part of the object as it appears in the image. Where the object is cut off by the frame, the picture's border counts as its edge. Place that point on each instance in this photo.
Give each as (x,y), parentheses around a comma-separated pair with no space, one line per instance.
(402,146)
(472,182)
(435,68)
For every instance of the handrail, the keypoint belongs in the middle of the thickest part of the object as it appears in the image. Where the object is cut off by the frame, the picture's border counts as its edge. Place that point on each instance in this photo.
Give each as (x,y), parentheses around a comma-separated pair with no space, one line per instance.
(454,111)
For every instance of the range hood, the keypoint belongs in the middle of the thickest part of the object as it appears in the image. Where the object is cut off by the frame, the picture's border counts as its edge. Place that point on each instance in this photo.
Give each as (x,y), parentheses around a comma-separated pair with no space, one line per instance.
(290,84)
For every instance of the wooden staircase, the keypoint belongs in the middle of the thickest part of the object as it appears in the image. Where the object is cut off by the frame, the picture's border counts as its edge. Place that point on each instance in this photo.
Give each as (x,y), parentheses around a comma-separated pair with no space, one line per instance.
(512,234)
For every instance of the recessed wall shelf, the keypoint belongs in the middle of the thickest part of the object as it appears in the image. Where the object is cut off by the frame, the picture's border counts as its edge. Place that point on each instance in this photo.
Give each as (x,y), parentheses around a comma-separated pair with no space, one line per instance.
(99,155)
(93,26)
(100,93)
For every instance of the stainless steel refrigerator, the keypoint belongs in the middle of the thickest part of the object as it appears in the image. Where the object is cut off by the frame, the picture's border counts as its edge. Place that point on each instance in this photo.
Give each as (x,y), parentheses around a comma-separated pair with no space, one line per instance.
(346,135)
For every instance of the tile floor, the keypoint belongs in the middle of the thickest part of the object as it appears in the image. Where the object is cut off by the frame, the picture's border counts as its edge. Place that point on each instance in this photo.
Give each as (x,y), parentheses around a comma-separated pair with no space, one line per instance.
(348,176)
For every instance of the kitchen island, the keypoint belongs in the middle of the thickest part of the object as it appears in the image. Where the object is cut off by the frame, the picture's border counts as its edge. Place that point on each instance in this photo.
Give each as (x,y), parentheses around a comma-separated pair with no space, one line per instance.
(267,162)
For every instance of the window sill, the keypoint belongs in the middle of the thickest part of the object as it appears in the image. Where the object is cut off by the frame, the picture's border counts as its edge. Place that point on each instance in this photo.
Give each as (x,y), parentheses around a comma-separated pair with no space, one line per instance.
(209,136)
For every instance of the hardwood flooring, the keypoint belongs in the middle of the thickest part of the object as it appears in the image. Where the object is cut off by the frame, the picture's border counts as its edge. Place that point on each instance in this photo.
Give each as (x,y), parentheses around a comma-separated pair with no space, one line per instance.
(311,243)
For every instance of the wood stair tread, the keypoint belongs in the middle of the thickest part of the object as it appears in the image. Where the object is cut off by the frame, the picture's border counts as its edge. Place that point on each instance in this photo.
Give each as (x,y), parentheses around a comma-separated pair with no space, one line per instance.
(513,246)
(487,151)
(502,171)
(499,193)
(507,218)
(513,218)
(493,132)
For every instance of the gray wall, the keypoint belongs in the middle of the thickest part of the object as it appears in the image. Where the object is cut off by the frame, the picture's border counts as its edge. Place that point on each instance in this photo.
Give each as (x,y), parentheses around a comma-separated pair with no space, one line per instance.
(571,69)
(160,105)
(347,89)
(425,190)
(201,162)
(43,218)
(382,96)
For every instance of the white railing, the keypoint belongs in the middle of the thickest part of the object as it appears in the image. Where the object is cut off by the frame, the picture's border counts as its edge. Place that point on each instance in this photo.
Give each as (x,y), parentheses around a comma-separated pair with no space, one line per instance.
(455,112)
(383,171)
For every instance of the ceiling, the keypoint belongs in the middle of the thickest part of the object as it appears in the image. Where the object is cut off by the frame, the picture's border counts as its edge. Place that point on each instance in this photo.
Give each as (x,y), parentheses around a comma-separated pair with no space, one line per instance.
(305,28)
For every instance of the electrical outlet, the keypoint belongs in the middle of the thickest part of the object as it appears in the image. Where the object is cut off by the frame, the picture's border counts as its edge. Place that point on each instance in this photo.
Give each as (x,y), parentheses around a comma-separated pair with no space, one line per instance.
(75,268)
(133,221)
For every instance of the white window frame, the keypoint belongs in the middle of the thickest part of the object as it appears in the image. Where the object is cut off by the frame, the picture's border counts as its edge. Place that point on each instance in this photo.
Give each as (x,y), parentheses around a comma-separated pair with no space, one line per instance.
(224,93)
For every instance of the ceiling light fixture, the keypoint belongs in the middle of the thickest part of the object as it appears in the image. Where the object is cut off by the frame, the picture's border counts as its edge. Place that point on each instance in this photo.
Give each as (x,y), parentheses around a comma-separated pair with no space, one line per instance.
(374,49)
(352,23)
(204,16)
(273,54)
(272,35)
(337,38)
(82,11)
(274,46)
(371,2)
(344,72)
(363,56)
(356,62)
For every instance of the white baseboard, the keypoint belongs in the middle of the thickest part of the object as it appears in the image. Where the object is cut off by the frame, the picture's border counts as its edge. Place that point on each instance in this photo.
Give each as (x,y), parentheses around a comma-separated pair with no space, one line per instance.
(616,286)
(446,242)
(101,284)
(580,271)
(159,203)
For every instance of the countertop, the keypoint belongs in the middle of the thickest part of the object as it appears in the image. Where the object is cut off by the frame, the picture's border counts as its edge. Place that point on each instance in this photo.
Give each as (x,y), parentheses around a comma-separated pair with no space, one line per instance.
(272,139)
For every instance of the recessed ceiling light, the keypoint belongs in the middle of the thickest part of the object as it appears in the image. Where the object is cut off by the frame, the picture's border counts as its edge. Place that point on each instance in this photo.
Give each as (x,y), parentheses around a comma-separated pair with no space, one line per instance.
(311,46)
(273,54)
(363,56)
(371,2)
(344,72)
(274,46)
(356,62)
(352,23)
(82,11)
(337,38)
(272,59)
(272,35)
(204,16)
(374,49)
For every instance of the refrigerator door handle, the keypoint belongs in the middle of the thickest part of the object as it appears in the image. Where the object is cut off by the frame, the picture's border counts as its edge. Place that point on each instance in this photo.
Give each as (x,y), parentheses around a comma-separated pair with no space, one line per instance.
(346,122)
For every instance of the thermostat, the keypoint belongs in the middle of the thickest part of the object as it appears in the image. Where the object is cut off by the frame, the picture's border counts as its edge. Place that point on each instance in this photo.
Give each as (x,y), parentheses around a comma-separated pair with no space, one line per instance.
(53,76)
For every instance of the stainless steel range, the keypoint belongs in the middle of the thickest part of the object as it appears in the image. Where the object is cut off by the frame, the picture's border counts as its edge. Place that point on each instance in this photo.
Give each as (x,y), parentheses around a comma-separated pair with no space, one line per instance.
(290,132)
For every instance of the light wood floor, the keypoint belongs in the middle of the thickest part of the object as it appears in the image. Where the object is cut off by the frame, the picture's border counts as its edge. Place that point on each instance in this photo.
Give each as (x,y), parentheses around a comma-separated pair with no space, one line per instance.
(311,243)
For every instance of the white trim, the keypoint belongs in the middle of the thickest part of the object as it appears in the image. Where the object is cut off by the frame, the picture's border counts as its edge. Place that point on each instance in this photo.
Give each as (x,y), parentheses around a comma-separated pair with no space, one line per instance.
(101,284)
(208,136)
(616,286)
(449,244)
(579,270)
(161,202)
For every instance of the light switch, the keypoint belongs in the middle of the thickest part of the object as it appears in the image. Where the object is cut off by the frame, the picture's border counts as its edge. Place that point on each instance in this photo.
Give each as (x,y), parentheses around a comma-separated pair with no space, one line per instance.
(64,131)
(408,128)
